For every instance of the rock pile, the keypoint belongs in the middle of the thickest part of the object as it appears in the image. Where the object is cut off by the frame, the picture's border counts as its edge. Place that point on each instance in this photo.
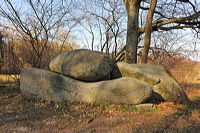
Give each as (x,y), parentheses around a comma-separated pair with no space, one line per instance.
(90,76)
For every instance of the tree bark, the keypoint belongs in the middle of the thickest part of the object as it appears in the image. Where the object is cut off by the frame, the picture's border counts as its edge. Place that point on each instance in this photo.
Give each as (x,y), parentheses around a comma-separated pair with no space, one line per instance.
(132,7)
(148,31)
(1,51)
(1,46)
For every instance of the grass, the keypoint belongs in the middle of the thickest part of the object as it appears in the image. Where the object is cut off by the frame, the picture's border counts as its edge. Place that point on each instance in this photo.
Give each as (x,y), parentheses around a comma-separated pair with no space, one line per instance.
(9,89)
(41,115)
(92,130)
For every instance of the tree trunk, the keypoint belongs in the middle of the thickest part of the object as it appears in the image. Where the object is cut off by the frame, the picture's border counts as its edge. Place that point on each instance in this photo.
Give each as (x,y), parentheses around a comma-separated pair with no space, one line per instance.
(1,52)
(132,7)
(148,31)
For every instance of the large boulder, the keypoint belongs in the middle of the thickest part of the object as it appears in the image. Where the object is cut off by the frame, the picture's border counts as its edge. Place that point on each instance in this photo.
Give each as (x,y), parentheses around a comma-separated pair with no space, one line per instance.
(83,64)
(57,87)
(165,87)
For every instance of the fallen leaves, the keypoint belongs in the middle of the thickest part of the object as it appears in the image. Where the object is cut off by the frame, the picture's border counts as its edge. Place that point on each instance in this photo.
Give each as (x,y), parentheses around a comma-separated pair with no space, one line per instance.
(40,115)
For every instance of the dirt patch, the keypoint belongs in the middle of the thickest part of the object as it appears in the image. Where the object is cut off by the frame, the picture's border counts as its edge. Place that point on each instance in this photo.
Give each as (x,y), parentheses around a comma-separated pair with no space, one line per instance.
(19,113)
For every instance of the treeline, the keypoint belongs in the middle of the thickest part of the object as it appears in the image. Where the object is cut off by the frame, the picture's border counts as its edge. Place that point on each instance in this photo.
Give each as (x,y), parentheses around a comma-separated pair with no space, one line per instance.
(17,54)
(31,31)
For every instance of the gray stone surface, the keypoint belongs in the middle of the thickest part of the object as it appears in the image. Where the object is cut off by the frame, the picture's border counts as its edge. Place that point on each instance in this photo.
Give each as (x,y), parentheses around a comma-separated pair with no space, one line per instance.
(83,64)
(57,87)
(145,105)
(164,85)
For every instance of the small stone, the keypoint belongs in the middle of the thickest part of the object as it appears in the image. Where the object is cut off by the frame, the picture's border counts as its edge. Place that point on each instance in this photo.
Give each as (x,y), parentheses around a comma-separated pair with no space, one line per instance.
(145,105)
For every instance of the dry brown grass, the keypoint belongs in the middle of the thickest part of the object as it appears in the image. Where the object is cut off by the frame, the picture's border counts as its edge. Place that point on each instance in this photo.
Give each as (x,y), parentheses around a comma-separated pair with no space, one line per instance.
(19,113)
(8,79)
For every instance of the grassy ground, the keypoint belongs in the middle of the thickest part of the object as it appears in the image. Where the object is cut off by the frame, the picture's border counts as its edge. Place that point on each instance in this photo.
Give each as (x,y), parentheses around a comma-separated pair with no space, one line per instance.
(19,113)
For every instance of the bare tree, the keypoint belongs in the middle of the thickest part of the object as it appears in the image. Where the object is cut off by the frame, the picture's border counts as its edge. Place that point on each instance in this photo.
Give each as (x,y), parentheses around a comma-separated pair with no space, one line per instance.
(162,16)
(38,23)
(148,30)
(104,21)
(1,51)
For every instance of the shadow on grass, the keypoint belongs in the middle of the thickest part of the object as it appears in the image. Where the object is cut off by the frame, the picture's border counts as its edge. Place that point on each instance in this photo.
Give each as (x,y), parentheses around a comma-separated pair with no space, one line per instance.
(17,109)
(22,117)
(9,89)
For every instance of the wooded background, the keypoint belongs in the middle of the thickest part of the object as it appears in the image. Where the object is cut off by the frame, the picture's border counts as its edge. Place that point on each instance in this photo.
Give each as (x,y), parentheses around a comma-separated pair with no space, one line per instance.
(136,31)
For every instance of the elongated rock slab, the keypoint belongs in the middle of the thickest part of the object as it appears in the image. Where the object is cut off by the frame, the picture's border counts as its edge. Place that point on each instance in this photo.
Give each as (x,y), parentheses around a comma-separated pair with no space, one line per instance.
(56,87)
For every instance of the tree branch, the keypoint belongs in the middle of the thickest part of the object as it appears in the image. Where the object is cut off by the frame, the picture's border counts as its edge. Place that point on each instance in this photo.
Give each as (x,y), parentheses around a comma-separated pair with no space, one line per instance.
(145,8)
(156,25)
(174,27)
(177,20)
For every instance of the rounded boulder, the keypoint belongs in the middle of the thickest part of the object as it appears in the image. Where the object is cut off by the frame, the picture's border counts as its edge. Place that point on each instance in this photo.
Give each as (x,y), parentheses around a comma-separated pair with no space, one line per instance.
(82,64)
